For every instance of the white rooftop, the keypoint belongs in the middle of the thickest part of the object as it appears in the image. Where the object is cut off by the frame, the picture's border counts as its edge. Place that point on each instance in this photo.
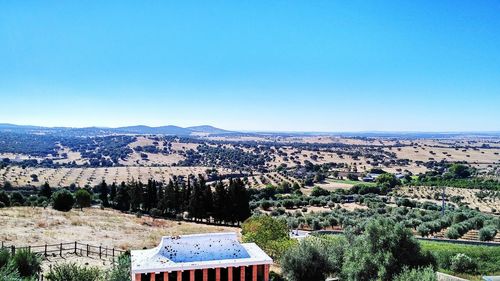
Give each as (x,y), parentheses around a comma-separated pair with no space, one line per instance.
(197,251)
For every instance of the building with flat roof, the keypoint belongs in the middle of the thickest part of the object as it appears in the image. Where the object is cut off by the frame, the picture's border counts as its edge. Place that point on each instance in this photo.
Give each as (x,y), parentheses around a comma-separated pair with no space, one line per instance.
(201,257)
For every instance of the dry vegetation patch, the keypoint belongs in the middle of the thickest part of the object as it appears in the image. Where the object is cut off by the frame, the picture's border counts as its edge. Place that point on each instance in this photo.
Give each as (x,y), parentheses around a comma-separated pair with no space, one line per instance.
(24,226)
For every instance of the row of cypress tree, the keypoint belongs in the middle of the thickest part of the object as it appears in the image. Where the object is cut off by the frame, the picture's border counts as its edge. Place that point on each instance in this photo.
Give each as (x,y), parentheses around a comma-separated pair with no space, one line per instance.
(219,202)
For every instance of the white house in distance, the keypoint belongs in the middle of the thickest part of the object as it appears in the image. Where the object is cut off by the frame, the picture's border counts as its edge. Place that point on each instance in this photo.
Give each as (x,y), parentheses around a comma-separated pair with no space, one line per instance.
(201,257)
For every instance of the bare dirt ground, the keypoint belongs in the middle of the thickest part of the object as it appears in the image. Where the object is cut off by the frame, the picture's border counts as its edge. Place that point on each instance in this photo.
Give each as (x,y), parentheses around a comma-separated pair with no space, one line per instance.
(23,226)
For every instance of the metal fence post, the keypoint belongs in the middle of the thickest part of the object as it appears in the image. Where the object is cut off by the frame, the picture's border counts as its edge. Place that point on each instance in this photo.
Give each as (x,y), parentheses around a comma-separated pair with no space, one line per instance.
(60,250)
(100,253)
(75,247)
(45,251)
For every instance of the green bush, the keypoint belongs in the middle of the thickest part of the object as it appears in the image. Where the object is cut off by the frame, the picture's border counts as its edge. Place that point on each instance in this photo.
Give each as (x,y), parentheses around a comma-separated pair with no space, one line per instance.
(17,198)
(28,264)
(73,272)
(63,200)
(4,257)
(264,231)
(487,233)
(463,264)
(4,198)
(9,273)
(452,233)
(121,272)
(83,198)
(306,262)
(382,251)
(416,274)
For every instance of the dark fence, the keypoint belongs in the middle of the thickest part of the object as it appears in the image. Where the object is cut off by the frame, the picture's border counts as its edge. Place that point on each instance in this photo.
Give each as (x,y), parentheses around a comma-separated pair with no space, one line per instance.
(61,249)
(68,248)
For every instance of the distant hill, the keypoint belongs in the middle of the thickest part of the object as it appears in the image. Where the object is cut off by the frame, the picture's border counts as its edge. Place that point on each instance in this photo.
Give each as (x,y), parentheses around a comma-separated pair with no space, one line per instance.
(162,130)
(94,131)
(208,129)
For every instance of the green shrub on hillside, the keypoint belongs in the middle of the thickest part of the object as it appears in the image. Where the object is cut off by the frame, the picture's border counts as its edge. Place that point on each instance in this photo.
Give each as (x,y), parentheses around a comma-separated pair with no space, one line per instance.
(417,274)
(63,200)
(9,273)
(83,198)
(73,272)
(463,264)
(487,233)
(28,264)
(121,272)
(4,257)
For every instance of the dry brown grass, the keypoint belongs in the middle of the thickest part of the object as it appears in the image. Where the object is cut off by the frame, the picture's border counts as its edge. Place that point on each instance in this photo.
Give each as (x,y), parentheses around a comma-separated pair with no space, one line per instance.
(109,228)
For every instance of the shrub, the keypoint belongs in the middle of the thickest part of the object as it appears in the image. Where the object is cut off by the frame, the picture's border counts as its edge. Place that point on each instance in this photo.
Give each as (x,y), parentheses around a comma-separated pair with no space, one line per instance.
(318,191)
(463,264)
(382,251)
(4,257)
(83,198)
(452,233)
(273,276)
(9,273)
(63,200)
(27,263)
(306,262)
(420,274)
(73,272)
(4,198)
(487,233)
(423,230)
(121,272)
(264,231)
(266,204)
(17,198)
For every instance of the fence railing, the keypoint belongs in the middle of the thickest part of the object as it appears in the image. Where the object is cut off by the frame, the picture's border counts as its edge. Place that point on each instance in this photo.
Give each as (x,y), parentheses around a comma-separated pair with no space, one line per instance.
(76,248)
(61,249)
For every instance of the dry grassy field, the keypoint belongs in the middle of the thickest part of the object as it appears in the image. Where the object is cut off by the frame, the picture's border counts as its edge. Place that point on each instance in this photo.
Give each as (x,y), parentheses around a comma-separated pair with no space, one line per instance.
(23,226)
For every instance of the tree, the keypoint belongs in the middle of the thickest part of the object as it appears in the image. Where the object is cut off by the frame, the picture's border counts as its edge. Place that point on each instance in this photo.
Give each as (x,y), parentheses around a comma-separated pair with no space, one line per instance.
(83,198)
(122,199)
(305,262)
(318,191)
(16,198)
(63,200)
(487,233)
(4,199)
(459,171)
(103,193)
(112,193)
(196,207)
(135,196)
(45,190)
(265,230)
(239,206)
(388,181)
(381,252)
(220,202)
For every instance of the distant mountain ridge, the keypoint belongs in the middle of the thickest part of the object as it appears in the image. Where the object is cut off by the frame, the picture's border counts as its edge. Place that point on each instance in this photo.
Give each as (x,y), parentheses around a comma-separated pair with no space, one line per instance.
(137,129)
(211,130)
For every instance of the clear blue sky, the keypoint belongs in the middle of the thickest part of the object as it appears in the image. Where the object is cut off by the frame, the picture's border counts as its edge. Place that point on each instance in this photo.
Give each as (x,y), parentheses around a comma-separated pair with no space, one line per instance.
(252,65)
